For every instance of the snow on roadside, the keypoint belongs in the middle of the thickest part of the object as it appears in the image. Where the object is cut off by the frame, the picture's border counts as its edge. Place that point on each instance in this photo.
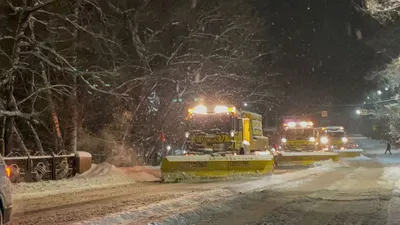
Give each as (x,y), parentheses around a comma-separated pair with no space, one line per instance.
(392,175)
(326,165)
(358,158)
(175,211)
(99,176)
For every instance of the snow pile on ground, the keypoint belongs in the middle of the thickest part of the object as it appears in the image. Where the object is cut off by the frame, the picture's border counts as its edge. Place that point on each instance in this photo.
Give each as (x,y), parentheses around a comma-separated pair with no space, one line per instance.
(220,199)
(358,158)
(102,169)
(143,173)
(392,175)
(326,165)
(99,176)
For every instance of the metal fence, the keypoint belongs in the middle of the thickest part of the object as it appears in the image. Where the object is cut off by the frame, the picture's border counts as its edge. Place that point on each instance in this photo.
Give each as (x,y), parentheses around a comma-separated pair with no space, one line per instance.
(33,168)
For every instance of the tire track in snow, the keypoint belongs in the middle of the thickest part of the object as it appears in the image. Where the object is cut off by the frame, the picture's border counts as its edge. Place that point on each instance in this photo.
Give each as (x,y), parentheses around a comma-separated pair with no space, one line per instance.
(359,198)
(253,208)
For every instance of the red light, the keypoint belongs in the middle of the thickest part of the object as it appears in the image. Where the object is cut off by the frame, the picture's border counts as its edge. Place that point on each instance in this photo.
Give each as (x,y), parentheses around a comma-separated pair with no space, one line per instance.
(8,171)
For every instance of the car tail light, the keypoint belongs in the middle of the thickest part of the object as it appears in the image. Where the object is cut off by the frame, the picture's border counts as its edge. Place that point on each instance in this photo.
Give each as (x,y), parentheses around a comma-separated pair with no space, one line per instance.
(8,171)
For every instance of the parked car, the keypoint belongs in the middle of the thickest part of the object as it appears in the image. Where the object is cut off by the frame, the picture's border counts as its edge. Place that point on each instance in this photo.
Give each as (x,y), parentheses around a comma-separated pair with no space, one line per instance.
(5,192)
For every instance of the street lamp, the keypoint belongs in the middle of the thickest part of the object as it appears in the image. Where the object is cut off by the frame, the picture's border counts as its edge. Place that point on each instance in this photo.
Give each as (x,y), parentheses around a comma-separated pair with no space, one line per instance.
(358,112)
(245,104)
(379,92)
(386,89)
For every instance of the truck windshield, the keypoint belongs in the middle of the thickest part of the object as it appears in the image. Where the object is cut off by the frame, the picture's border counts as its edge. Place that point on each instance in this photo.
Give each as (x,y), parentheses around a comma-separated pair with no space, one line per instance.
(211,123)
(299,133)
(336,134)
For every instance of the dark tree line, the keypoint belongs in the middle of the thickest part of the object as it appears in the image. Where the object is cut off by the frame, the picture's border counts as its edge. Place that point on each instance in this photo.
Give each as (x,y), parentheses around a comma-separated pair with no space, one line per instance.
(101,76)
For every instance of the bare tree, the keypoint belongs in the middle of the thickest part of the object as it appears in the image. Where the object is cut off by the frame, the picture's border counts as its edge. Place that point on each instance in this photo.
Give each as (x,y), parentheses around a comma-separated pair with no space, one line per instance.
(383,10)
(112,69)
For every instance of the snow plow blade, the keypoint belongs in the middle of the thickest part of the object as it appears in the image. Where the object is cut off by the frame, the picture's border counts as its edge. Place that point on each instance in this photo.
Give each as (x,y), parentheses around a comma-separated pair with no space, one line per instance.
(177,168)
(303,158)
(349,153)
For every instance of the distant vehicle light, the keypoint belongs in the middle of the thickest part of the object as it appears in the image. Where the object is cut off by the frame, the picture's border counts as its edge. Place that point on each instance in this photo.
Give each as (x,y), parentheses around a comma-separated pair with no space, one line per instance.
(324,140)
(303,124)
(200,109)
(187,134)
(232,133)
(291,124)
(312,139)
(344,139)
(283,140)
(221,109)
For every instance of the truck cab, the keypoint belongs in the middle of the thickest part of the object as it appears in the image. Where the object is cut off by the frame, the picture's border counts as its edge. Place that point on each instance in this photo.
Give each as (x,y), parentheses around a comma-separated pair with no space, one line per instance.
(299,135)
(336,137)
(223,129)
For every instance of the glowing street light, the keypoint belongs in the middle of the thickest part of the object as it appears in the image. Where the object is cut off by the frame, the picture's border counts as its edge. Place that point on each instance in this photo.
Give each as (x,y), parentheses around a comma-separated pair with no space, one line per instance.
(386,89)
(379,92)
(358,112)
(245,104)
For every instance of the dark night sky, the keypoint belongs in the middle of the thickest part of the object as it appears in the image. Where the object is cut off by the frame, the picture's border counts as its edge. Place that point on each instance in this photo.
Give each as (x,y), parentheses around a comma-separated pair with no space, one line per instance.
(322,61)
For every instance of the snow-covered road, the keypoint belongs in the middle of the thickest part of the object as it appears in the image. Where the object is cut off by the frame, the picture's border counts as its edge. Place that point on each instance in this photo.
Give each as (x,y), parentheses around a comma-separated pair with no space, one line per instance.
(364,190)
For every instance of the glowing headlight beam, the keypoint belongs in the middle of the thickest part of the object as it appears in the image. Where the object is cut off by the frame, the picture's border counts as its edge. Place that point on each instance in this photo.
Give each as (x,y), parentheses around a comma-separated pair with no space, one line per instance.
(221,109)
(344,139)
(200,109)
(324,140)
(283,140)
(303,124)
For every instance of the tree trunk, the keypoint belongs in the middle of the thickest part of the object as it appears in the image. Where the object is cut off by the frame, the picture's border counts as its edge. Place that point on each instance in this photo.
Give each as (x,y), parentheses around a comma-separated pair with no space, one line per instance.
(58,141)
(73,129)
(10,77)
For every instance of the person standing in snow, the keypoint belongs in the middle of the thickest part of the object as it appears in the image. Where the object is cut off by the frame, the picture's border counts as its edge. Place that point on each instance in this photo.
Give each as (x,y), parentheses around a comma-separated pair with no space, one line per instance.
(388,148)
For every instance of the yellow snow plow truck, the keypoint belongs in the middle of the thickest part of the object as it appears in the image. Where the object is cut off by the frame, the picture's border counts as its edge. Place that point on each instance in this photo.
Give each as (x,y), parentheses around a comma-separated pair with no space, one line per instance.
(337,141)
(221,141)
(301,143)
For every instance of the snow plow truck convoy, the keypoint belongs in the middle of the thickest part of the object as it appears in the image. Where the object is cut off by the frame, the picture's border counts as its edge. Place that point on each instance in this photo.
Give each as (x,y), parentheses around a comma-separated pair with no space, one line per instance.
(222,141)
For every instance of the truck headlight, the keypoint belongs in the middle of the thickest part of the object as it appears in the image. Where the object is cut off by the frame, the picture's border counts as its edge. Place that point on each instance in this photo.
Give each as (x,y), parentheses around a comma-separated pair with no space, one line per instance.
(283,140)
(187,134)
(312,139)
(344,139)
(324,140)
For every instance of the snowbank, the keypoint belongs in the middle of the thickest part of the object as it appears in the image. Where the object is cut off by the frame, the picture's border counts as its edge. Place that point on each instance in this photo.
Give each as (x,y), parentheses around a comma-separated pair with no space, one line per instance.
(99,176)
(143,173)
(177,211)
(325,165)
(392,175)
(358,158)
